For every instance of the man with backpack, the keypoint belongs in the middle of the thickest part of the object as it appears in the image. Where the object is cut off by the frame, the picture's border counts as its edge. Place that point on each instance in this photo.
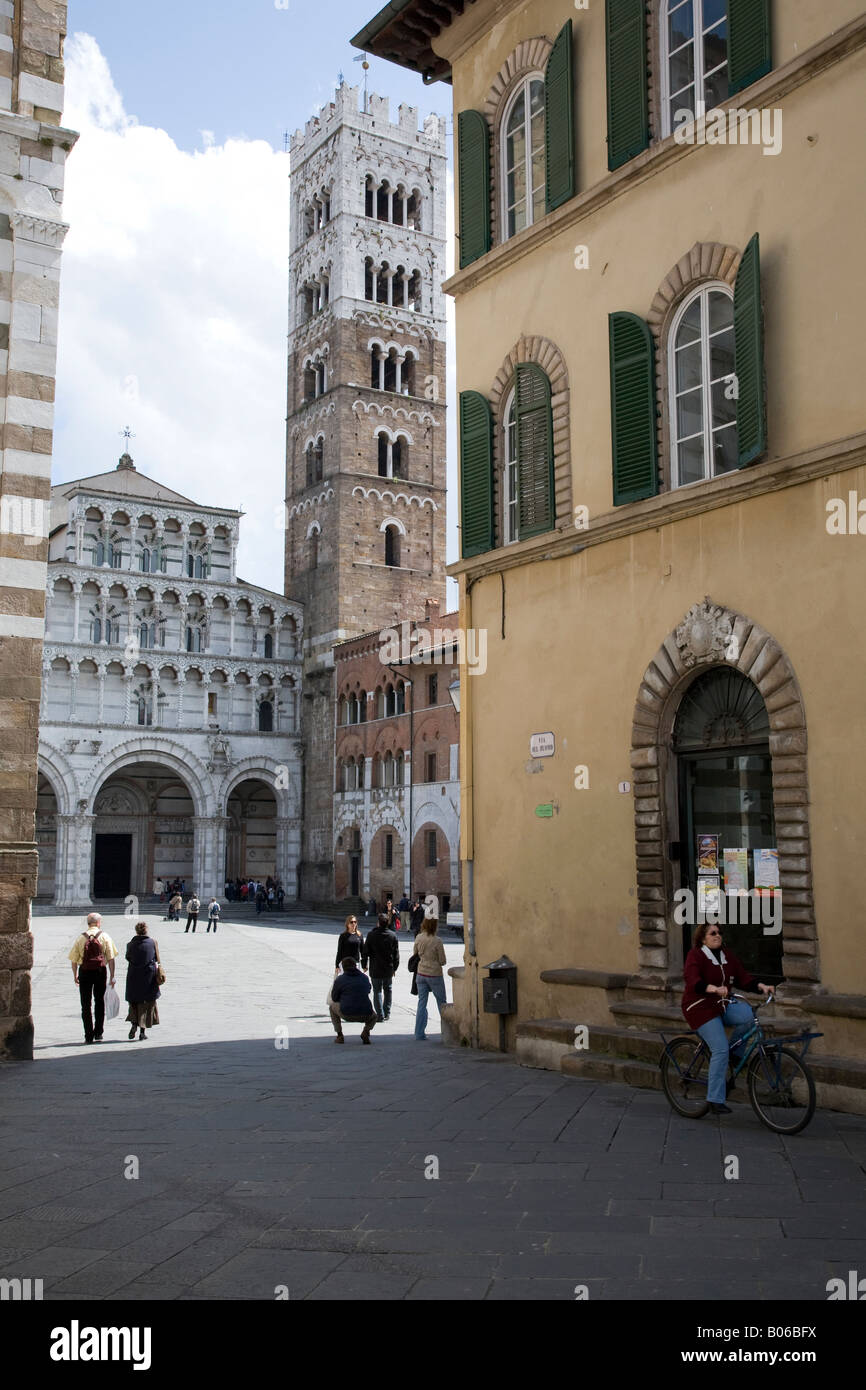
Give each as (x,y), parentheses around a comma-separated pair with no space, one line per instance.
(213,915)
(92,956)
(193,908)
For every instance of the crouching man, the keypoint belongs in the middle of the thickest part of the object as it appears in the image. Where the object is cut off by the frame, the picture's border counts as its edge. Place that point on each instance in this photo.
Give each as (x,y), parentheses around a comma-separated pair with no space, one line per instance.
(350,996)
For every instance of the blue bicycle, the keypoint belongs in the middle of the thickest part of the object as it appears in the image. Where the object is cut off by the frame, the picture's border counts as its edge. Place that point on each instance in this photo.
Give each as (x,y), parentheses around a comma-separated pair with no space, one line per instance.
(781,1087)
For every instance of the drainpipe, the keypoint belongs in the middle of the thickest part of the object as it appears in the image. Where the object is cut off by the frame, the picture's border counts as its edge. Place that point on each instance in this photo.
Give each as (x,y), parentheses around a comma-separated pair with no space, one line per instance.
(467,816)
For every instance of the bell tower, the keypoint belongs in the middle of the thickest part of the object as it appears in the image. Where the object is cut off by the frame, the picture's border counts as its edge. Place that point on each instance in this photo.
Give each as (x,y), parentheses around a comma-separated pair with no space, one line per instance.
(366,437)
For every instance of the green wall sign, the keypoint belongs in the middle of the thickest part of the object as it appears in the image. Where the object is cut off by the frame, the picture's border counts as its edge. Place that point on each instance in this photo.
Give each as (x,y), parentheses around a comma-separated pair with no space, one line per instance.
(544,811)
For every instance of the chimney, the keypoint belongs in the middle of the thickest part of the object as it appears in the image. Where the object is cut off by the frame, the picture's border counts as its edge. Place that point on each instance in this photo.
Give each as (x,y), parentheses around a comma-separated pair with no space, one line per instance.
(431,610)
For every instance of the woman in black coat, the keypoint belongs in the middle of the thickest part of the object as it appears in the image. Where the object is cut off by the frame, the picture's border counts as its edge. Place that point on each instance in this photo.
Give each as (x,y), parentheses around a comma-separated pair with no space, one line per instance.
(142,985)
(350,943)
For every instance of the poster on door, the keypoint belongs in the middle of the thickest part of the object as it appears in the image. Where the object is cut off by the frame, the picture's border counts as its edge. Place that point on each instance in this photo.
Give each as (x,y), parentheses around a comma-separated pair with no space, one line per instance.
(708,854)
(736,871)
(766,868)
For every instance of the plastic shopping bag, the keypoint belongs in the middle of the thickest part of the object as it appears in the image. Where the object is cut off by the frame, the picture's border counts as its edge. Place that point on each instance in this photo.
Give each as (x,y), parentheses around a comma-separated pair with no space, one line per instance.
(112,1002)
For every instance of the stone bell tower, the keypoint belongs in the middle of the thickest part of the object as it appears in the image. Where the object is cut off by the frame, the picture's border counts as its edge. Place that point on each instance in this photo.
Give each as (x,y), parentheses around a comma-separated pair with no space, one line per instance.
(365,465)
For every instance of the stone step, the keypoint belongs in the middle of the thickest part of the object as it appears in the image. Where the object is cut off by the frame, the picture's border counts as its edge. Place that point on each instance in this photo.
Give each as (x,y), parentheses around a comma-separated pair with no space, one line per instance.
(668,1018)
(601,1066)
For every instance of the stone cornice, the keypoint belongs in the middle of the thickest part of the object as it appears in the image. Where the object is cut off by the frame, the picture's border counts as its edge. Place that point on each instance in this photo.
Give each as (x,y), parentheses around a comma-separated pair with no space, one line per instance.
(670,507)
(767,92)
(28,227)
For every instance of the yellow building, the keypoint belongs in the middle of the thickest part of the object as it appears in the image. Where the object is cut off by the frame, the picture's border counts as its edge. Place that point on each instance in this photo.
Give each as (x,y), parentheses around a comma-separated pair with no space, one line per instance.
(661,362)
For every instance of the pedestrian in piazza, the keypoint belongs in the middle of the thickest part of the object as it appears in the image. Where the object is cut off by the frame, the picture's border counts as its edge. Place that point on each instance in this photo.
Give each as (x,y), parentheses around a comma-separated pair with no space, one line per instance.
(350,943)
(142,982)
(392,914)
(281,895)
(93,955)
(350,1001)
(193,908)
(213,915)
(380,955)
(175,903)
(404,907)
(261,900)
(417,915)
(430,974)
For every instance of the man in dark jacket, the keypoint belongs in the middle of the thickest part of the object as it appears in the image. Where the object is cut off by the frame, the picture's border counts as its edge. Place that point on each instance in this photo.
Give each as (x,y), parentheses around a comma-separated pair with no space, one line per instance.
(380,954)
(417,915)
(350,995)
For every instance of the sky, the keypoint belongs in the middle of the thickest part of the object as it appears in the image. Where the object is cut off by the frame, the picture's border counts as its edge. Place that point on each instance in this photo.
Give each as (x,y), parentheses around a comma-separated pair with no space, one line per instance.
(175,269)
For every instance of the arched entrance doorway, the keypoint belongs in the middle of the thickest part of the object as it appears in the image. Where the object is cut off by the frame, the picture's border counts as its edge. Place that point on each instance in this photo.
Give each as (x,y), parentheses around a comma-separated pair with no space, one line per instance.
(46,839)
(251,839)
(721,740)
(143,831)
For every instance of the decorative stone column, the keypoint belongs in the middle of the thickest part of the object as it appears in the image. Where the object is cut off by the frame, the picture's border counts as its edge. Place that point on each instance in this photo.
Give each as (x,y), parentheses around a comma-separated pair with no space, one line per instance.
(288,853)
(76,615)
(209,834)
(74,858)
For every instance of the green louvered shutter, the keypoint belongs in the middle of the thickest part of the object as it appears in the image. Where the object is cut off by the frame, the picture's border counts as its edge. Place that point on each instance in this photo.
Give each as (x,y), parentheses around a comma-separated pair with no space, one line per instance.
(534,451)
(633,409)
(473,155)
(749,356)
(476,474)
(749,54)
(627,105)
(559,122)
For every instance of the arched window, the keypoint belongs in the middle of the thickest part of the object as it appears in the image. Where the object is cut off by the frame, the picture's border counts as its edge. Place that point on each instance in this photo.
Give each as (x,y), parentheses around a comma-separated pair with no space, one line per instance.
(388,770)
(269,644)
(115,556)
(399,763)
(703,410)
(145,638)
(383,443)
(509,471)
(314,549)
(145,712)
(99,553)
(369,280)
(319,458)
(523,156)
(380,702)
(392,547)
(400,697)
(694,38)
(193,638)
(407,384)
(96,630)
(398,451)
(390,372)
(111,631)
(369,198)
(310,455)
(144,563)
(266,717)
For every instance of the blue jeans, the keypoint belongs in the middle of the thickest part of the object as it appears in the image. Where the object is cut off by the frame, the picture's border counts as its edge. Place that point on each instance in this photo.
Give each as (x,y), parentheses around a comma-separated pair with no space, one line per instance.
(737,1015)
(381,986)
(428,984)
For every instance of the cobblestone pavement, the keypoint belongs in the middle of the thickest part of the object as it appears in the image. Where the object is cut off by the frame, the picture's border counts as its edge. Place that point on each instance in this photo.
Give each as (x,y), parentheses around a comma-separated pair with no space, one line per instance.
(305,1167)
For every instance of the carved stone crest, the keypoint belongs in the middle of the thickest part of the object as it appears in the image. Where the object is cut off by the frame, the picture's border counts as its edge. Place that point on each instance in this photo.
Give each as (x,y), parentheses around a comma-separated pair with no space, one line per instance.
(704,634)
(220,753)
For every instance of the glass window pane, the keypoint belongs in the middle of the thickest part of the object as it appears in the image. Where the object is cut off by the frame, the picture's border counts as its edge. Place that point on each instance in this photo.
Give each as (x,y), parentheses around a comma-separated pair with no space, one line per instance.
(716,88)
(722,355)
(690,461)
(688,362)
(682,69)
(683,101)
(681,26)
(714,10)
(689,330)
(516,151)
(721,311)
(536,98)
(725,449)
(517,116)
(690,414)
(724,409)
(537,134)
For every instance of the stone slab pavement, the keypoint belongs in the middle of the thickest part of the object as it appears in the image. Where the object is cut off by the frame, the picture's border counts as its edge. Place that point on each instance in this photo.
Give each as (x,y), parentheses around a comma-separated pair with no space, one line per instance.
(268,1160)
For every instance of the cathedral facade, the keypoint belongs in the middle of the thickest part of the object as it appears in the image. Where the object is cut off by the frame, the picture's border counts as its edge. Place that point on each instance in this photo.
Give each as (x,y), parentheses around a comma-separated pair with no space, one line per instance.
(169,733)
(366,447)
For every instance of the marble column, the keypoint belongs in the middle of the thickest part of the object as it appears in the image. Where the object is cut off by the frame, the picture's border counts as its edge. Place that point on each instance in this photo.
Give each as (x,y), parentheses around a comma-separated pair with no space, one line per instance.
(288,851)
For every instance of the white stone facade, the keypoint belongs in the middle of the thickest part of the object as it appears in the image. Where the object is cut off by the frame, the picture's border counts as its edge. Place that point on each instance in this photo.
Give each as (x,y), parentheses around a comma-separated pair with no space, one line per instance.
(170,701)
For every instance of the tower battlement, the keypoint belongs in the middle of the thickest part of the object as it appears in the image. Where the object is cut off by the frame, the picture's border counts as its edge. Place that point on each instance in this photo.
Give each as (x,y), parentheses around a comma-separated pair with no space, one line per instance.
(345,109)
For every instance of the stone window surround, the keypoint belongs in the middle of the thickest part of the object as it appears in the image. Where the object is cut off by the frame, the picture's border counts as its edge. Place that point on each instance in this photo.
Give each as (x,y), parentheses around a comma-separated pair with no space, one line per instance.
(530,56)
(547,356)
(697,645)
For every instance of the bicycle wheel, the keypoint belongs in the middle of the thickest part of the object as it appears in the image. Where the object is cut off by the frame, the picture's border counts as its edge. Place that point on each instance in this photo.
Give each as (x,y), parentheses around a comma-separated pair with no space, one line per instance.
(685,1066)
(781,1090)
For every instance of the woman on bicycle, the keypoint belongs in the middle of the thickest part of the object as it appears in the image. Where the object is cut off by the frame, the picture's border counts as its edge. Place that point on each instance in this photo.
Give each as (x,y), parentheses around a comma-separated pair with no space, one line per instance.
(710,975)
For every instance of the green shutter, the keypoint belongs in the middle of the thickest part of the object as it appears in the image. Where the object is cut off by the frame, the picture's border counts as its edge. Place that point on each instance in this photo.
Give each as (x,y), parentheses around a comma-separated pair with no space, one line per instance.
(476,474)
(627,105)
(559,122)
(473,154)
(633,409)
(749,356)
(749,55)
(534,451)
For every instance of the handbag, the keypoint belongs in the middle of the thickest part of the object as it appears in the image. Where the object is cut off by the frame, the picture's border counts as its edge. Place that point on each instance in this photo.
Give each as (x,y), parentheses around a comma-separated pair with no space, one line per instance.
(160,973)
(412,963)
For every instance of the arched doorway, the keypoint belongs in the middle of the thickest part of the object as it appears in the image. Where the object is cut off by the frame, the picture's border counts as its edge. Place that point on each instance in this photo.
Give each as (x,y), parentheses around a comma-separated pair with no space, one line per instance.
(143,831)
(46,839)
(251,839)
(721,740)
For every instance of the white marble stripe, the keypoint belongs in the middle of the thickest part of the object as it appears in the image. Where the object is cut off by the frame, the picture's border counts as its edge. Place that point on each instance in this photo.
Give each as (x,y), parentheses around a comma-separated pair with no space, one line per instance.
(23,574)
(12,626)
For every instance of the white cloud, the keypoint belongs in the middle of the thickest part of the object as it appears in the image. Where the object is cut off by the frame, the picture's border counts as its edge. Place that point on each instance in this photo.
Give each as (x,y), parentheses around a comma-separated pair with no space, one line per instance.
(173,310)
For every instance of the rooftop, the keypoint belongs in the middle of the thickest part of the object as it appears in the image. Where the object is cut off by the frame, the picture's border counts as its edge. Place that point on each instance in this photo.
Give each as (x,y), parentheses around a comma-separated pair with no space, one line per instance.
(403,33)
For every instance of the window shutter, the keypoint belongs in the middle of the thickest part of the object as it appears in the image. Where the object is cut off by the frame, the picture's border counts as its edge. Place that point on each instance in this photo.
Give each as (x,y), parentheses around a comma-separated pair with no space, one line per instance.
(473,153)
(749,356)
(559,122)
(633,409)
(749,55)
(627,105)
(534,451)
(476,474)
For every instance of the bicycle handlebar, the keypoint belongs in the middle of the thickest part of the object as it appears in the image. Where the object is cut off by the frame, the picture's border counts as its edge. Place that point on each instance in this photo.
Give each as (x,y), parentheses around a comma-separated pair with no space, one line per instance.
(767,999)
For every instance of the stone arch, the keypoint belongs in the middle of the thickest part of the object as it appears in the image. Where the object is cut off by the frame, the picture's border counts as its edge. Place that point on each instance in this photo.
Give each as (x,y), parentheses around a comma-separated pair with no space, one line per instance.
(530,55)
(703,639)
(707,261)
(263,770)
(167,753)
(547,356)
(59,772)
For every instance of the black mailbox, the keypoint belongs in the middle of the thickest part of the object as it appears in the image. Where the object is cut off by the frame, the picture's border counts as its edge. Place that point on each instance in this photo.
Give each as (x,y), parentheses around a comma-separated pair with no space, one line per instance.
(500,989)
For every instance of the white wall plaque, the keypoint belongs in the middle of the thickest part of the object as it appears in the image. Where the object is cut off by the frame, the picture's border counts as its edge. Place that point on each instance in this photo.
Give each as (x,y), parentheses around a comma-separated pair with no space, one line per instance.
(542,746)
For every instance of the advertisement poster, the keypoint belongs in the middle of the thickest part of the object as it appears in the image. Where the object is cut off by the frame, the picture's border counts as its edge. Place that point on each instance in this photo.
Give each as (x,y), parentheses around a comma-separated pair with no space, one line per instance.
(766,868)
(709,895)
(736,871)
(708,854)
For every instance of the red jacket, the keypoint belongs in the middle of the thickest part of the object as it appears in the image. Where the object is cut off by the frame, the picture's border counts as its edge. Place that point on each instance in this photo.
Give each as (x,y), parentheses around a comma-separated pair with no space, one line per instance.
(702,969)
